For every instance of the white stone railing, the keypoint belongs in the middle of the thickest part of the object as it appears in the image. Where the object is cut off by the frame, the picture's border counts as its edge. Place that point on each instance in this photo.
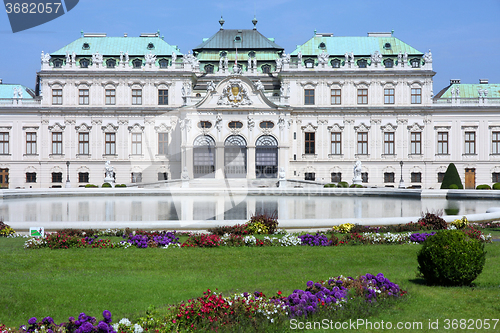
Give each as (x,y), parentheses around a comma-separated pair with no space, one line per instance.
(468,101)
(19,101)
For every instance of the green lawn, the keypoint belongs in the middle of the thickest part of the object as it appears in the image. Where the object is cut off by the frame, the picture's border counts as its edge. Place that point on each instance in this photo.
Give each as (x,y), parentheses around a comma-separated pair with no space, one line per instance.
(63,283)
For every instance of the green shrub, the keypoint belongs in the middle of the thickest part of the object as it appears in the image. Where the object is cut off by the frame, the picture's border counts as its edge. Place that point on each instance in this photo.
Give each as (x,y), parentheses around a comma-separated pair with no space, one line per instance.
(262,224)
(330,185)
(483,187)
(90,185)
(496,186)
(343,184)
(120,185)
(451,258)
(433,221)
(451,176)
(106,185)
(453,187)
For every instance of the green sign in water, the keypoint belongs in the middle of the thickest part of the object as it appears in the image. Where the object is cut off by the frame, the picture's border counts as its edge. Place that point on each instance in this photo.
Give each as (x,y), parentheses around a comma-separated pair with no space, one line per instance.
(36,232)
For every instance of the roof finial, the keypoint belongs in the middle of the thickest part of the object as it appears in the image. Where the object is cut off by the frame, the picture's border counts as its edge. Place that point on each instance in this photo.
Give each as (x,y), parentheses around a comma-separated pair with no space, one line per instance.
(221,22)
(392,32)
(315,31)
(254,21)
(81,33)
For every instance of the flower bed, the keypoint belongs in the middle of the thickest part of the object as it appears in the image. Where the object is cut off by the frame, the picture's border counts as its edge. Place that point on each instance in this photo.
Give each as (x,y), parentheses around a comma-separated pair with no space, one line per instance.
(214,311)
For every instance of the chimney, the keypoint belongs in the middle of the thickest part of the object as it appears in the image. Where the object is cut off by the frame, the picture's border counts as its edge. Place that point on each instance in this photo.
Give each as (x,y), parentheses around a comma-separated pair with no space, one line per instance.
(483,81)
(125,35)
(454,82)
(1,81)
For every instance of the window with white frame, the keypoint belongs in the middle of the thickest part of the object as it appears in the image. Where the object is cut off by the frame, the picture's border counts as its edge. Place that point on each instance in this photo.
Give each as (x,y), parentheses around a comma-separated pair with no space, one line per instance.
(389,96)
(362,143)
(136,143)
(136,96)
(389,143)
(416,143)
(162,143)
(336,143)
(495,143)
(56,143)
(4,143)
(470,143)
(56,96)
(110,96)
(83,143)
(388,177)
(83,96)
(363,96)
(309,96)
(136,177)
(442,141)
(309,147)
(416,96)
(336,96)
(30,143)
(110,143)
(416,177)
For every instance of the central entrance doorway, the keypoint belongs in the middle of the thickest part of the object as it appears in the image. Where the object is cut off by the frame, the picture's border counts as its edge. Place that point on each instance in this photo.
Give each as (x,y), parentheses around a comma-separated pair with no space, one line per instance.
(235,157)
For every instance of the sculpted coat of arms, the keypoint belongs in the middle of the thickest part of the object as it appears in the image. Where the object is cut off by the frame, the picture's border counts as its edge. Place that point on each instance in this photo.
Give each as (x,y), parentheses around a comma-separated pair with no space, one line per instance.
(234,94)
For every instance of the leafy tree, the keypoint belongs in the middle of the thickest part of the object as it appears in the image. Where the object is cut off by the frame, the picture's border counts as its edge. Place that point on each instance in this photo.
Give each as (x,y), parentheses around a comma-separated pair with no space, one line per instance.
(451,176)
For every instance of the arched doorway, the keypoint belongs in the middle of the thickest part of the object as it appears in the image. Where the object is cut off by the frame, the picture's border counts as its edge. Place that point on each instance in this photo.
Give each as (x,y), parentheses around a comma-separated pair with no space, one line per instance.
(266,157)
(204,157)
(235,157)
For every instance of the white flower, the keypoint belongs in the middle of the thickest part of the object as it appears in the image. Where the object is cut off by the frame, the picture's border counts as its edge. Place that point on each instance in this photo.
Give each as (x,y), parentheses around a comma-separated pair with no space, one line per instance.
(125,322)
(138,328)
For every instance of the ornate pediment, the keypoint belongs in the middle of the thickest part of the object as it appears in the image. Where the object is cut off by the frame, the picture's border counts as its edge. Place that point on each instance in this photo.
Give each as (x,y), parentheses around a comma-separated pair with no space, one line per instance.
(136,128)
(388,128)
(309,128)
(415,128)
(109,128)
(234,94)
(83,128)
(335,128)
(362,128)
(162,128)
(56,128)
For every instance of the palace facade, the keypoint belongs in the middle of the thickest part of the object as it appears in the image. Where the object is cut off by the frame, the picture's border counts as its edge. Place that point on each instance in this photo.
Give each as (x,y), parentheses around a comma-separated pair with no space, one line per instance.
(239,106)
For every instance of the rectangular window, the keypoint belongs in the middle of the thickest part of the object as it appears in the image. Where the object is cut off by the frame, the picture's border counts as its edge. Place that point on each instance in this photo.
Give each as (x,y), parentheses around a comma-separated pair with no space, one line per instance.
(309,143)
(336,97)
(443,143)
(470,143)
(57,177)
(495,143)
(110,143)
(389,96)
(56,96)
(30,177)
(364,177)
(163,97)
(309,176)
(83,177)
(83,143)
(110,96)
(83,95)
(389,143)
(30,143)
(136,177)
(362,96)
(416,96)
(336,143)
(162,143)
(309,96)
(136,143)
(4,143)
(336,177)
(136,96)
(416,177)
(363,143)
(162,176)
(388,177)
(495,177)
(416,143)
(56,143)
(440,176)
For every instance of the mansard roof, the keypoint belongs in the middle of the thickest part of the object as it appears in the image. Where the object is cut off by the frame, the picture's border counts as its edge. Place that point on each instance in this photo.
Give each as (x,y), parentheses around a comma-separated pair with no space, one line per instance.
(7,91)
(470,90)
(135,46)
(338,46)
(251,39)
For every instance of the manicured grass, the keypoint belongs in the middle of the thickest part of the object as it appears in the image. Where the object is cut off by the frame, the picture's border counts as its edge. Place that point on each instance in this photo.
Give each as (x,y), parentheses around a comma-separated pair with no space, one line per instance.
(63,283)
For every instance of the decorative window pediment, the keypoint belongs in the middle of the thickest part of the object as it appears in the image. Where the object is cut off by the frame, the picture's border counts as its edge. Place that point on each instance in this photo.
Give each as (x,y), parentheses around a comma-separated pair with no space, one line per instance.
(362,128)
(57,128)
(335,128)
(136,128)
(109,128)
(415,128)
(389,127)
(307,84)
(309,128)
(136,84)
(83,128)
(162,128)
(162,84)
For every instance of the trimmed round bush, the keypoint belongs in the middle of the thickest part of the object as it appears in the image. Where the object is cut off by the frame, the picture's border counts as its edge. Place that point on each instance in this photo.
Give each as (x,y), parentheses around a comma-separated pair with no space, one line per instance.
(451,258)
(453,187)
(330,185)
(483,187)
(120,185)
(343,184)
(451,177)
(106,185)
(90,185)
(496,186)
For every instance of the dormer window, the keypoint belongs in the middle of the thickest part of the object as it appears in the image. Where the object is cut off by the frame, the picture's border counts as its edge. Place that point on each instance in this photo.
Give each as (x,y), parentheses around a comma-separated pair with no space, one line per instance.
(415,63)
(322,45)
(151,46)
(362,63)
(389,63)
(57,63)
(86,46)
(111,63)
(387,46)
(84,63)
(209,69)
(251,54)
(266,69)
(137,63)
(223,54)
(163,63)
(237,39)
(335,63)
(309,63)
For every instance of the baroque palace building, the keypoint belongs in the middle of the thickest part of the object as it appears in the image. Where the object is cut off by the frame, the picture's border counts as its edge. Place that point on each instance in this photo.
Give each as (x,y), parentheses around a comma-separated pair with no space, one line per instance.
(239,106)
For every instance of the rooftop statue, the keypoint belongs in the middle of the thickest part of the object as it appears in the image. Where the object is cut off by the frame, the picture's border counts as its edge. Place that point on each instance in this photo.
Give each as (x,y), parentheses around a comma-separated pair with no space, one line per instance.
(323,58)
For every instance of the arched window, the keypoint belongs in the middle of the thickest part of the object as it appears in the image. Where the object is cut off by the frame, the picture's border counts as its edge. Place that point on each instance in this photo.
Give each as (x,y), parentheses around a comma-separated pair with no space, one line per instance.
(57,63)
(163,63)
(362,63)
(111,63)
(209,69)
(204,157)
(266,157)
(235,157)
(389,63)
(335,63)
(266,69)
(84,63)
(309,63)
(137,63)
(415,63)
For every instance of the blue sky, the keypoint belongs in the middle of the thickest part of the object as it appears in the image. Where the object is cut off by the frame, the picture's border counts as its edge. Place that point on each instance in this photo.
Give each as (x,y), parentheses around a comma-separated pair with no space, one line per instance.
(464,36)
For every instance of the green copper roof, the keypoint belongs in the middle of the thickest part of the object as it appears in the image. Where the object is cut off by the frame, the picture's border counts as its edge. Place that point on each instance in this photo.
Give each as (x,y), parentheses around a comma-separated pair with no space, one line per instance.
(7,91)
(338,46)
(242,55)
(470,90)
(107,46)
(251,39)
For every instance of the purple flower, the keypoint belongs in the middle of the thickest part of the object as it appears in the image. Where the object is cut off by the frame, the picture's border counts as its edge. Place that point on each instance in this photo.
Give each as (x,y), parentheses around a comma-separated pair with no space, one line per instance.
(107,316)
(309,284)
(86,327)
(103,326)
(48,320)
(32,321)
